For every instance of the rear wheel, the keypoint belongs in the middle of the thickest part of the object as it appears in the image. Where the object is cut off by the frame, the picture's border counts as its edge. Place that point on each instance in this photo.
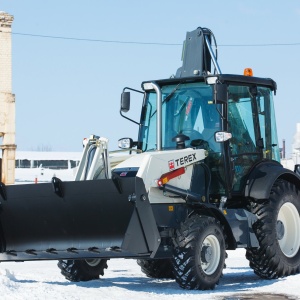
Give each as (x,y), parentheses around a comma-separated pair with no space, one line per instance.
(199,253)
(157,268)
(82,270)
(278,233)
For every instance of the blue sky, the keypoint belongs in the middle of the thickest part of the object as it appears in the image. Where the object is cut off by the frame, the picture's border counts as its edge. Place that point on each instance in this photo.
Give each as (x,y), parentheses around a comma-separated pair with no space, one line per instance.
(68,89)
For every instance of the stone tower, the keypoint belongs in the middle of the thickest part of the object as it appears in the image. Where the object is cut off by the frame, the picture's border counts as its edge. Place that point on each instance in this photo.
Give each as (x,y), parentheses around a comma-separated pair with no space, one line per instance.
(7,101)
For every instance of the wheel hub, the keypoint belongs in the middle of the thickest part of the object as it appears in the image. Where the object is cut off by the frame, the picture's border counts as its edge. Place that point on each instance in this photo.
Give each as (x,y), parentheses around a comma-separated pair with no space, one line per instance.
(279,230)
(206,254)
(209,255)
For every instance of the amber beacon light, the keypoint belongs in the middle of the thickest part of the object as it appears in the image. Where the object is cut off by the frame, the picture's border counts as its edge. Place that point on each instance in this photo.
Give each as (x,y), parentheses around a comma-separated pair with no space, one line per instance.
(248,72)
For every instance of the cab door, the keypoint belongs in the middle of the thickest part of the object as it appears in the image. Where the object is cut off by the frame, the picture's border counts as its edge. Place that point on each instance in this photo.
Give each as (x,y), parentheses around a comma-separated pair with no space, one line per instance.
(251,121)
(246,144)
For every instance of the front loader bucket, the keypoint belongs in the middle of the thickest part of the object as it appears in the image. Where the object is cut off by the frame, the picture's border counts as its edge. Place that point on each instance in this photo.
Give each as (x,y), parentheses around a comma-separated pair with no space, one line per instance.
(78,219)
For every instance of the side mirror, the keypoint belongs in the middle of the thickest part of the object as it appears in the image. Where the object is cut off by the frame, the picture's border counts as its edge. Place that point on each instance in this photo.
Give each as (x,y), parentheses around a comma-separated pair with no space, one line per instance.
(125,102)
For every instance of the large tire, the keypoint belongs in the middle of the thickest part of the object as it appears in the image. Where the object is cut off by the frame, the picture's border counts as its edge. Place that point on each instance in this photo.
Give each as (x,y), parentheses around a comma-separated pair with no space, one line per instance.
(199,253)
(82,270)
(157,268)
(278,233)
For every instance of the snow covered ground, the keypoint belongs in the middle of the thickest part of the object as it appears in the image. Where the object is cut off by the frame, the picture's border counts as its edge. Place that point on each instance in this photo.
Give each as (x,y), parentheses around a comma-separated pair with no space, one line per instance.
(124,280)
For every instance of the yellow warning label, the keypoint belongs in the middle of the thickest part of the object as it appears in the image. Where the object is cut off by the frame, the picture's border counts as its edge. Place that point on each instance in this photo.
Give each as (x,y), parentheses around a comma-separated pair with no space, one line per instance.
(171,208)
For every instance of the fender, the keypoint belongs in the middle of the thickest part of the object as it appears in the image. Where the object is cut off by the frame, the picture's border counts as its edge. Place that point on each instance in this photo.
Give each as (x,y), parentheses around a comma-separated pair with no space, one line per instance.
(263,176)
(237,225)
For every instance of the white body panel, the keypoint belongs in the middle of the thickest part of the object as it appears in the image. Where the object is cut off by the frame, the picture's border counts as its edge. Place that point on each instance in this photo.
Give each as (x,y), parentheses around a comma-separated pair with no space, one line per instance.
(152,165)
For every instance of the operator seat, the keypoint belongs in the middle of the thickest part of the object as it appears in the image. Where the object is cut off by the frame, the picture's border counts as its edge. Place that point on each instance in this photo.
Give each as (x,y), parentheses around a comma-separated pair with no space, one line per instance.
(193,135)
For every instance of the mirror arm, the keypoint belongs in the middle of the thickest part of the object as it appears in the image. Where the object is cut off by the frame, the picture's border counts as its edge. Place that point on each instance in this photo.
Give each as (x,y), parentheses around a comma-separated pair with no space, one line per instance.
(129,118)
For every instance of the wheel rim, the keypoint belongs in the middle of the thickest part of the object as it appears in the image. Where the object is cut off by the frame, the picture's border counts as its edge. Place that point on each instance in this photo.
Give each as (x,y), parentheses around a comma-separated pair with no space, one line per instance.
(289,241)
(210,254)
(93,262)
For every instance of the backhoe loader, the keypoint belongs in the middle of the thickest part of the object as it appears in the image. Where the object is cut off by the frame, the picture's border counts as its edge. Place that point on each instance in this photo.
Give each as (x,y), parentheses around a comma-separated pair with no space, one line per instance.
(202,177)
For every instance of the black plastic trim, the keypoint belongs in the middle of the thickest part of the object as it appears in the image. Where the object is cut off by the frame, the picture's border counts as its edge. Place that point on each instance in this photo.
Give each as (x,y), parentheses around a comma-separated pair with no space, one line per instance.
(263,176)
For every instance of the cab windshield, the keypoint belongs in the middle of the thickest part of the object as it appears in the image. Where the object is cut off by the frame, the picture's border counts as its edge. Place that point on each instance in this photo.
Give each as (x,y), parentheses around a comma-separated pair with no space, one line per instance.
(186,109)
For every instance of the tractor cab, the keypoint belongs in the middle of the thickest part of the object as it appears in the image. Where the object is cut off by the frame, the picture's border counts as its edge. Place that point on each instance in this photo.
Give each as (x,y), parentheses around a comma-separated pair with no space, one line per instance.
(230,116)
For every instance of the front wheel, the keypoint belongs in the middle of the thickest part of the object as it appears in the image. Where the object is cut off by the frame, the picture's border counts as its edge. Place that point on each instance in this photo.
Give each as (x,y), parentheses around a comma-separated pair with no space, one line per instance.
(278,233)
(82,270)
(199,253)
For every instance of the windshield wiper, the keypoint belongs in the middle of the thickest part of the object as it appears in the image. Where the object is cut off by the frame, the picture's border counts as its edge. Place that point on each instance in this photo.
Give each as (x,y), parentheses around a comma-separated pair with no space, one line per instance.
(172,93)
(168,97)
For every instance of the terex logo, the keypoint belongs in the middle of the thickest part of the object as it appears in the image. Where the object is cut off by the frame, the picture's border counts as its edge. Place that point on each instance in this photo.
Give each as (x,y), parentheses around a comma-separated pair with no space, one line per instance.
(182,161)
(171,164)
